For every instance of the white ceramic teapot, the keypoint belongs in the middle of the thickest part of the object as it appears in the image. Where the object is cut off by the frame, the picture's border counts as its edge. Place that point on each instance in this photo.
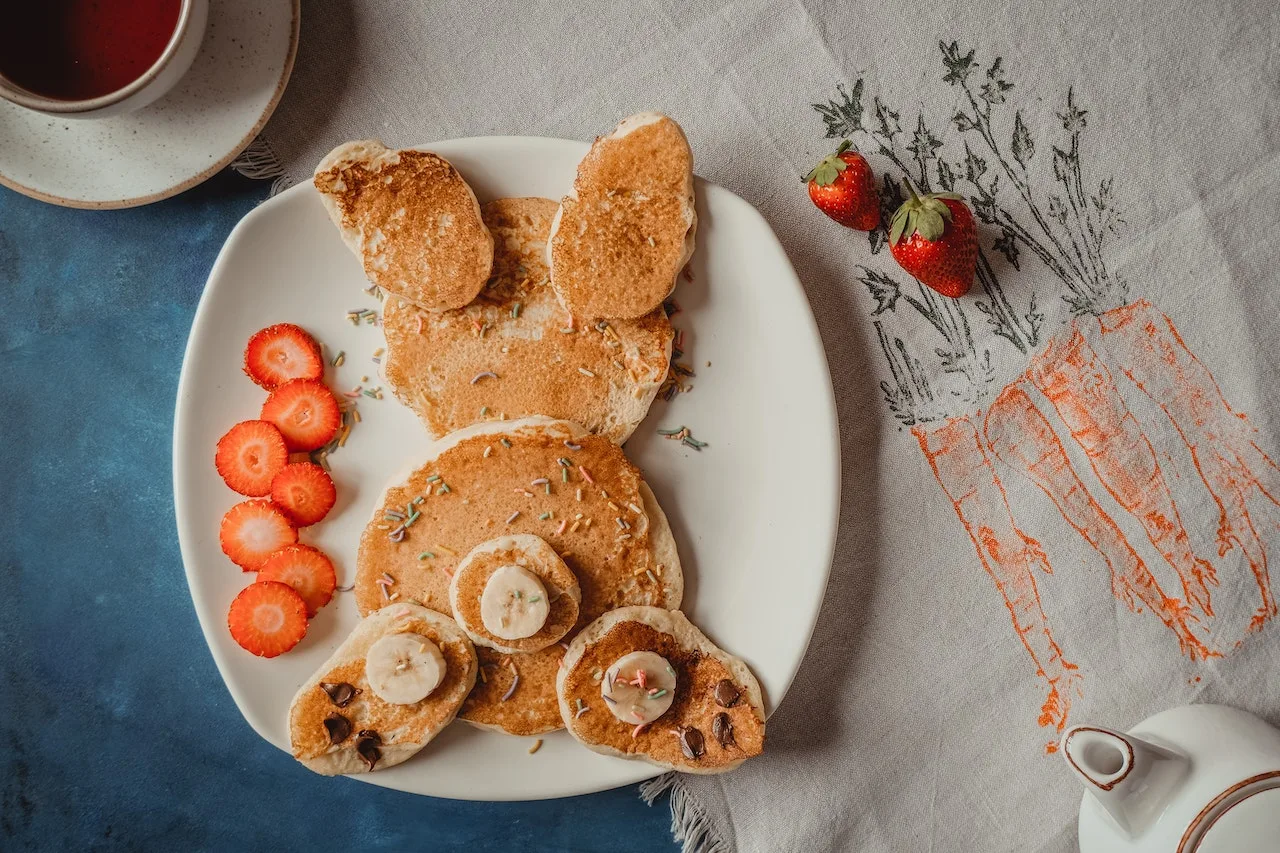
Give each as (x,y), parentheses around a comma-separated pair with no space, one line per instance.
(1196,779)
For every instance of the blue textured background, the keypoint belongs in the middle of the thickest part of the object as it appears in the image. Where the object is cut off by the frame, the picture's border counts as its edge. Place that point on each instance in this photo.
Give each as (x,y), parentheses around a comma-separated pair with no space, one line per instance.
(118,733)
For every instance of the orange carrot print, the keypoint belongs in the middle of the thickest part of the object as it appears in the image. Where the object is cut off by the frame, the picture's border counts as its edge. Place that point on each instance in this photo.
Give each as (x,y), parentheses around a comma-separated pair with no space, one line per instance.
(1007,554)
(1020,435)
(1222,443)
(1082,390)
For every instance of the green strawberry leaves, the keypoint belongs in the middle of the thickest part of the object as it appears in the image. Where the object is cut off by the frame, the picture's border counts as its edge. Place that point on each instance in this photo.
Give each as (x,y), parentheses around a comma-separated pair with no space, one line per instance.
(924,215)
(826,172)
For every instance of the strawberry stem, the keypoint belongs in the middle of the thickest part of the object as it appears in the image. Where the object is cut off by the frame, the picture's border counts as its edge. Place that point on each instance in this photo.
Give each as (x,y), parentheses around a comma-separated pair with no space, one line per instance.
(906,182)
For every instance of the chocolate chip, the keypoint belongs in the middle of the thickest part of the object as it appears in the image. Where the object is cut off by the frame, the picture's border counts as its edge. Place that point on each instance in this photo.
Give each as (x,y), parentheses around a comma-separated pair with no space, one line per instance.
(340,693)
(722,730)
(338,726)
(692,743)
(726,694)
(367,744)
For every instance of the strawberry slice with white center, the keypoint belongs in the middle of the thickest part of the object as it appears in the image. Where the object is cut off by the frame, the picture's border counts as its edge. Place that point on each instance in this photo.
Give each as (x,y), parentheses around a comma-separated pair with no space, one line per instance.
(282,352)
(304,491)
(267,618)
(307,570)
(306,413)
(250,456)
(252,531)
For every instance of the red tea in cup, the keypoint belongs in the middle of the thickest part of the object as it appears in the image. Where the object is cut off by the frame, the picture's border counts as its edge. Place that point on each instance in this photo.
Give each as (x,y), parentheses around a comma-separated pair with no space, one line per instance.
(76,50)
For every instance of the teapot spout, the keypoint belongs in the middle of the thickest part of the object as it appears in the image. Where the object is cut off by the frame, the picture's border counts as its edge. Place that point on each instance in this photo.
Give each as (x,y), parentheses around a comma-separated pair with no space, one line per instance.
(1129,777)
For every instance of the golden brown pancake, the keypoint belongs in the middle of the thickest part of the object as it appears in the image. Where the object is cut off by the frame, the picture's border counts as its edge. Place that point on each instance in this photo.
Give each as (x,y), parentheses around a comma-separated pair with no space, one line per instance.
(514,351)
(699,665)
(401,730)
(531,553)
(619,556)
(412,221)
(627,229)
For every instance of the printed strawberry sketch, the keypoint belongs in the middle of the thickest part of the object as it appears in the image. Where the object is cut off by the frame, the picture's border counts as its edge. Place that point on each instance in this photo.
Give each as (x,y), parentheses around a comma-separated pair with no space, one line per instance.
(1066,230)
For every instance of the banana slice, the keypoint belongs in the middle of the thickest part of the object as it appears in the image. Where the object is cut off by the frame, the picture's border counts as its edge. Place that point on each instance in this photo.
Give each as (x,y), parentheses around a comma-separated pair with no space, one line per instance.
(639,687)
(404,668)
(514,603)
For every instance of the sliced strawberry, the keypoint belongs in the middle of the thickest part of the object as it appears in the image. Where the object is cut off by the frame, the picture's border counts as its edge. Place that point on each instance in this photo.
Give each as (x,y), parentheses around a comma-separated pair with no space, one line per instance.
(307,570)
(268,618)
(252,531)
(306,413)
(304,491)
(282,352)
(249,456)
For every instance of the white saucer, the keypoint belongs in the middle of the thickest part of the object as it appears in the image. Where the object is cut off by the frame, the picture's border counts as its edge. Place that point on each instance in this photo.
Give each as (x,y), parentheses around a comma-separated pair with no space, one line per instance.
(213,113)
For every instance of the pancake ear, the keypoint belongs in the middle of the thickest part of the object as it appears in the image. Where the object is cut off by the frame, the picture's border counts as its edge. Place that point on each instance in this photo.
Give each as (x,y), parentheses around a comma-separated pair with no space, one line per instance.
(626,231)
(411,220)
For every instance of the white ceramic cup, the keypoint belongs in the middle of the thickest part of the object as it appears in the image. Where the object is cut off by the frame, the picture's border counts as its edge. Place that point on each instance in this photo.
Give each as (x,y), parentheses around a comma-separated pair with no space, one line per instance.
(167,70)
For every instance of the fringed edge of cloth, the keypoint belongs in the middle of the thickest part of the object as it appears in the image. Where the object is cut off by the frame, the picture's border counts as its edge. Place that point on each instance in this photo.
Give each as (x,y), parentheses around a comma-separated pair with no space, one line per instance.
(259,162)
(690,824)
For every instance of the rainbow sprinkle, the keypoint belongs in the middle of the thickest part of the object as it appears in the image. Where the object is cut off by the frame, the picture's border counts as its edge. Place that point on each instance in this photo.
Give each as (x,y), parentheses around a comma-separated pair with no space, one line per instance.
(586,475)
(569,444)
(426,555)
(482,374)
(513,516)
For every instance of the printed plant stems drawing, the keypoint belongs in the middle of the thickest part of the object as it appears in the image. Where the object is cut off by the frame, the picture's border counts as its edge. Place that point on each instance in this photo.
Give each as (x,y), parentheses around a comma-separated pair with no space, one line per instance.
(940,394)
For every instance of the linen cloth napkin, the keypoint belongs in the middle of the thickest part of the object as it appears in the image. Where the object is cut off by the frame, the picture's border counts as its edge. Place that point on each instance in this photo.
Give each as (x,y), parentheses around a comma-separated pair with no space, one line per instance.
(1060,493)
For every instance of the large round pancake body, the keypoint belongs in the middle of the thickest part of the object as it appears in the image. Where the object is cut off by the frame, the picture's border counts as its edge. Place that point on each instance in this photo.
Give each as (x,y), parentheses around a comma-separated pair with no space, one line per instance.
(614,565)
(404,729)
(622,236)
(699,665)
(603,376)
(411,219)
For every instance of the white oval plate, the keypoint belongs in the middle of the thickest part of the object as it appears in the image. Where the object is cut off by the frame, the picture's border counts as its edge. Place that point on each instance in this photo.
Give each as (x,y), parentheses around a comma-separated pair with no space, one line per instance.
(754,513)
(216,110)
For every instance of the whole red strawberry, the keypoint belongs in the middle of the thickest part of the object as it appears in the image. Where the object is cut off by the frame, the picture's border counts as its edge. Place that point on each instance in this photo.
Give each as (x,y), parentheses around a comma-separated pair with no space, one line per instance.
(843,187)
(934,238)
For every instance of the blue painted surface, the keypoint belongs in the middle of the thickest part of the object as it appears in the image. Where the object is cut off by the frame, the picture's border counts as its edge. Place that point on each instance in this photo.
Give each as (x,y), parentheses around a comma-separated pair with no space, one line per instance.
(118,733)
